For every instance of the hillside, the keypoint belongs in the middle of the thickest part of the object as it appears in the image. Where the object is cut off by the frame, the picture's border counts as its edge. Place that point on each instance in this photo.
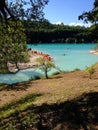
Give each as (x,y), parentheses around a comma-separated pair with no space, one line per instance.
(65,101)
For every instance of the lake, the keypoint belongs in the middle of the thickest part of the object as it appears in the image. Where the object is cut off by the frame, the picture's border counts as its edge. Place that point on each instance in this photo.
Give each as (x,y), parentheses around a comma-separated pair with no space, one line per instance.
(66,56)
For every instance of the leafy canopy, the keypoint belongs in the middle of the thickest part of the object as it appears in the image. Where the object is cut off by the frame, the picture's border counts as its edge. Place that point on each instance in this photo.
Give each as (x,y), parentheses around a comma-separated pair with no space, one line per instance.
(91,15)
(45,65)
(12,44)
(22,9)
(12,34)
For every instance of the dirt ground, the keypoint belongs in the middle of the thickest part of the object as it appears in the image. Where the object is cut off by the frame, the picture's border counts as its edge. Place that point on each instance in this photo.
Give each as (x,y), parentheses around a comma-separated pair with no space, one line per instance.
(67,101)
(57,88)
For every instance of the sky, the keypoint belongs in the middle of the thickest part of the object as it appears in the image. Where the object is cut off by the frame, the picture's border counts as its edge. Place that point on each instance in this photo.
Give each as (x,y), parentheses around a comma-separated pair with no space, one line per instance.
(67,11)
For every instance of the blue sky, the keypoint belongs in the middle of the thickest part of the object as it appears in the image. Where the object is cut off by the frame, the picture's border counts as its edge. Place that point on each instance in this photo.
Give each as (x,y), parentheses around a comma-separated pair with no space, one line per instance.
(67,11)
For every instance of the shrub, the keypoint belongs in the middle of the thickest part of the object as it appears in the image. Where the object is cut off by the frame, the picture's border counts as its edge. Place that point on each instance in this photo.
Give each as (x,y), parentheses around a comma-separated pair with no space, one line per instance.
(45,65)
(91,71)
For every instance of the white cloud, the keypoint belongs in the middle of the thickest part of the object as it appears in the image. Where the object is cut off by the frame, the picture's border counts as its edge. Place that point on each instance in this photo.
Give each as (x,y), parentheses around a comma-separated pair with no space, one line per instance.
(80,24)
(74,24)
(58,23)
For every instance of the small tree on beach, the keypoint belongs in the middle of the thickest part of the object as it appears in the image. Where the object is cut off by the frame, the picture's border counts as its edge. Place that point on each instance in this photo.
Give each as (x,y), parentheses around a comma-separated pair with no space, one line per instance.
(45,65)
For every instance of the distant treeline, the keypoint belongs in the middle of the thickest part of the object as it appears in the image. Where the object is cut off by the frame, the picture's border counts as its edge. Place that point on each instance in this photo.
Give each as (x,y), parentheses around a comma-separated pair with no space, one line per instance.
(45,32)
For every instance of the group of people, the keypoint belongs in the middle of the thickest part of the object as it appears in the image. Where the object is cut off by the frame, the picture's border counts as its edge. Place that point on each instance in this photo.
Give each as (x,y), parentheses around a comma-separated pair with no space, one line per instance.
(47,56)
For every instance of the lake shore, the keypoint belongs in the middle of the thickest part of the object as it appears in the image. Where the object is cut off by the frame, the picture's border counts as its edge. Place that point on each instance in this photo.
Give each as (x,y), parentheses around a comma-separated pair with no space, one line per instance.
(94,52)
(33,55)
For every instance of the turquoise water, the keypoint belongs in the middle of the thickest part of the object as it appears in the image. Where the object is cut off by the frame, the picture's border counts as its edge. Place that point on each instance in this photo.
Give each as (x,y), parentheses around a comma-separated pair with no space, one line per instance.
(69,56)
(66,56)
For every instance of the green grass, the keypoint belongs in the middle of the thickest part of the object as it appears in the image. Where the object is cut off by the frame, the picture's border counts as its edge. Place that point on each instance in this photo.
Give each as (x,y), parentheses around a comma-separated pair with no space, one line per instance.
(20,105)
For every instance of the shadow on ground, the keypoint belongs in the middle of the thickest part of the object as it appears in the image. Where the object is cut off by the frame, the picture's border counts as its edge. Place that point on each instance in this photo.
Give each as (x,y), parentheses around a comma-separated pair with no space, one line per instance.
(16,86)
(78,114)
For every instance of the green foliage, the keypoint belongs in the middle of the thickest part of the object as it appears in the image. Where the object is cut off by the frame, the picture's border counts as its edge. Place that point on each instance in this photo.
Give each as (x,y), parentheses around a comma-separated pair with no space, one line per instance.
(16,106)
(9,126)
(91,15)
(21,121)
(22,9)
(45,65)
(91,71)
(12,44)
(16,109)
(45,32)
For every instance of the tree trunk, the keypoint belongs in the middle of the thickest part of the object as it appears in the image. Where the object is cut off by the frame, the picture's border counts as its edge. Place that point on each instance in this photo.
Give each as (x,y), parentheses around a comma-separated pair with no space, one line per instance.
(90,76)
(46,75)
(16,63)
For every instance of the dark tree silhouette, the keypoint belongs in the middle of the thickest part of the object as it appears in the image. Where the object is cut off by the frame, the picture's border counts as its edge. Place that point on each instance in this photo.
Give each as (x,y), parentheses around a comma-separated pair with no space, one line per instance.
(96,3)
(22,9)
(92,15)
(4,10)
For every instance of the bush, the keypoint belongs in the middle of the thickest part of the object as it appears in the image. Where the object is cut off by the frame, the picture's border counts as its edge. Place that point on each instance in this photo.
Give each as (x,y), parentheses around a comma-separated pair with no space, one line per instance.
(91,71)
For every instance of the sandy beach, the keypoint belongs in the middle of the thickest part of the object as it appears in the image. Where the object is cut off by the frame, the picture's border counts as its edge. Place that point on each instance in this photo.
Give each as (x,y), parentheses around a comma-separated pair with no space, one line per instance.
(32,63)
(94,52)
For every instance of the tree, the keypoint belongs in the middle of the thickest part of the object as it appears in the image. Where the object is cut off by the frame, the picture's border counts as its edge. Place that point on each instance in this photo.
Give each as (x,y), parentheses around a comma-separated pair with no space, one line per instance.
(92,15)
(23,9)
(45,65)
(4,10)
(12,44)
(91,71)
(12,35)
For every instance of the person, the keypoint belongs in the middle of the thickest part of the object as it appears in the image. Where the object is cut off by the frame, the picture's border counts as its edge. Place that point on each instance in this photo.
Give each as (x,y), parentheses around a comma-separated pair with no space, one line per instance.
(64,54)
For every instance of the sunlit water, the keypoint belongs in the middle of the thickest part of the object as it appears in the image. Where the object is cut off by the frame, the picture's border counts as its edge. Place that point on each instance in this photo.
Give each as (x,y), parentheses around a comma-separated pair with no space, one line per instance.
(66,56)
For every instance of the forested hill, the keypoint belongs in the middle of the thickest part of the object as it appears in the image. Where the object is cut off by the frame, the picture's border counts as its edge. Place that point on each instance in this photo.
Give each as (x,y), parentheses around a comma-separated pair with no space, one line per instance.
(45,32)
